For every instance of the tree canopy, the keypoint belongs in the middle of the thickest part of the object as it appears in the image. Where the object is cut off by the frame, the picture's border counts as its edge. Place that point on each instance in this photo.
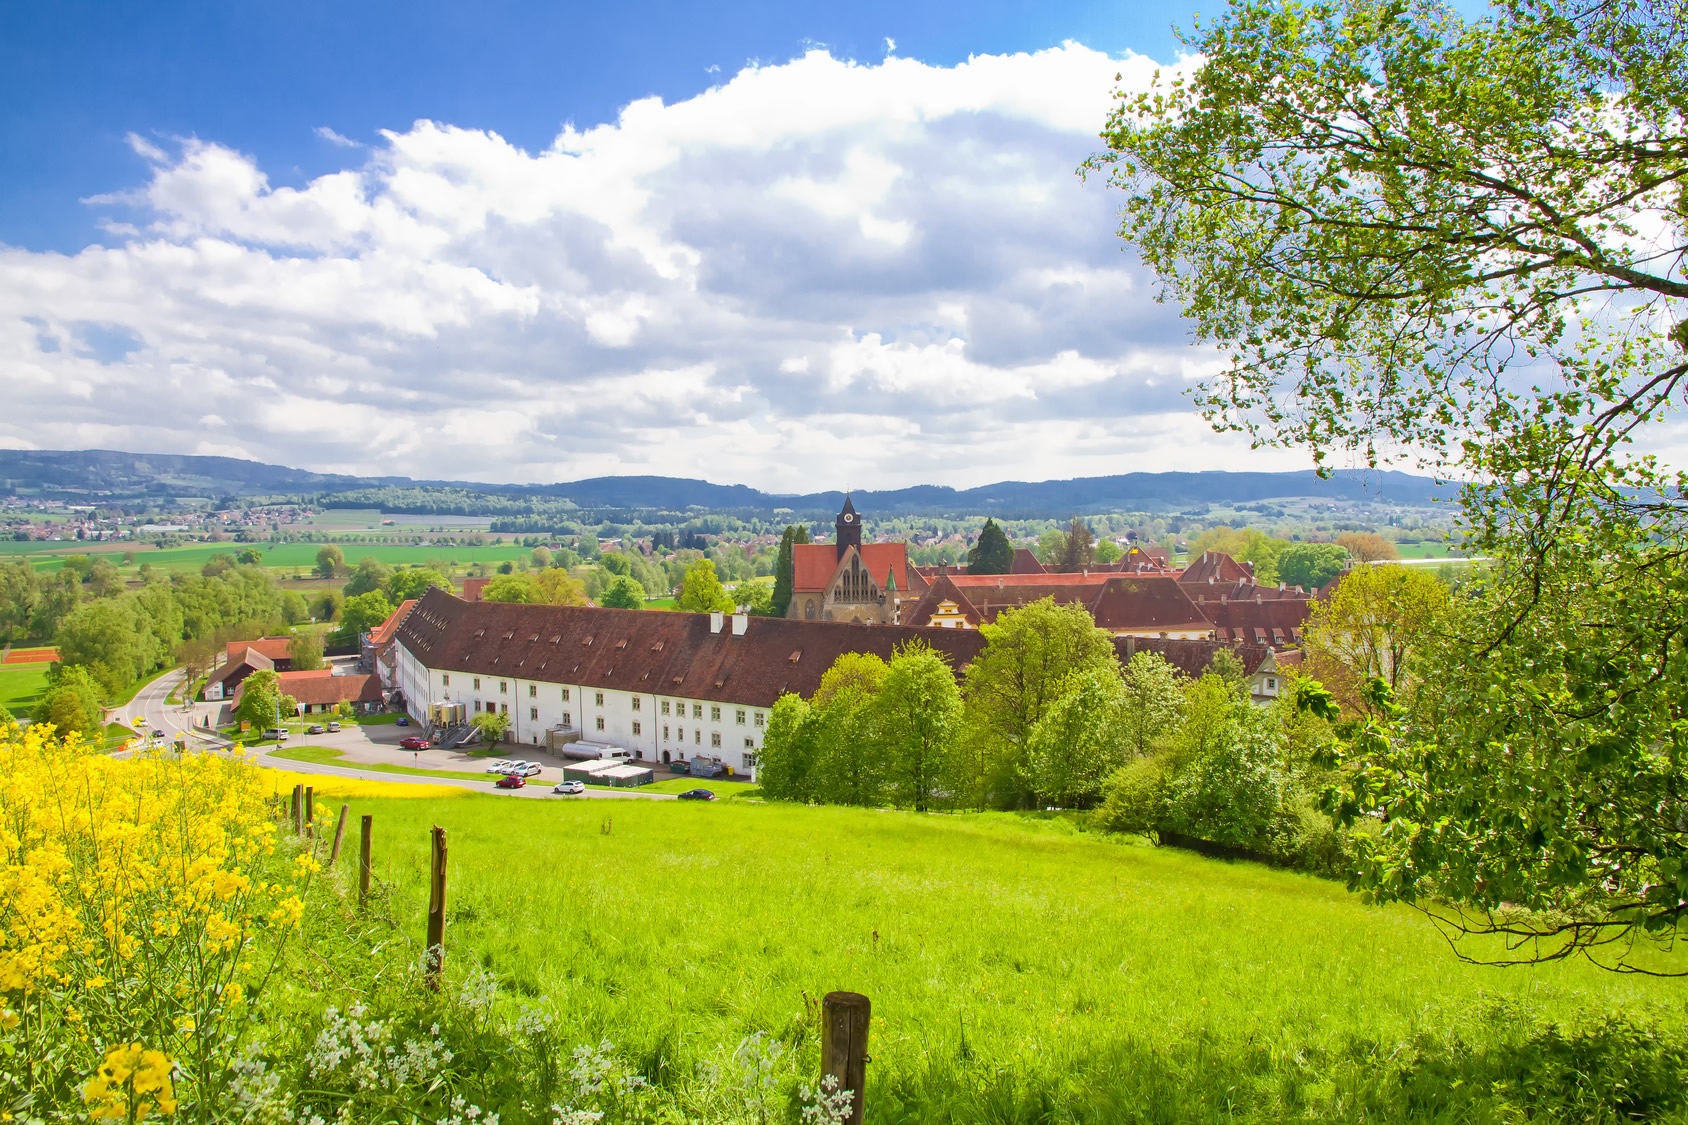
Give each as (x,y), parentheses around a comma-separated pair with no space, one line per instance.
(993,553)
(781,602)
(1460,243)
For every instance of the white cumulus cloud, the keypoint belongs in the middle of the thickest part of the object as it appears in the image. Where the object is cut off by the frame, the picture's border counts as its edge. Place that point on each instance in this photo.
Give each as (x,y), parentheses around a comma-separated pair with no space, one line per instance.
(814,271)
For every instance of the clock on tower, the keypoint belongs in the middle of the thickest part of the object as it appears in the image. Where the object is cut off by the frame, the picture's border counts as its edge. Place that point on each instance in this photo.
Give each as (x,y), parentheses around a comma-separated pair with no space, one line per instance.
(849,528)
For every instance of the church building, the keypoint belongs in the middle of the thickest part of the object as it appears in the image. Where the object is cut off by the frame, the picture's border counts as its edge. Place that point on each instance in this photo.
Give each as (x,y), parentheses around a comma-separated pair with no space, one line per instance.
(848,580)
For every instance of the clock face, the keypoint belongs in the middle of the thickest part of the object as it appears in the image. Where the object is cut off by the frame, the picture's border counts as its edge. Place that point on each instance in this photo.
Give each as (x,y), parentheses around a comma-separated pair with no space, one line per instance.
(848,517)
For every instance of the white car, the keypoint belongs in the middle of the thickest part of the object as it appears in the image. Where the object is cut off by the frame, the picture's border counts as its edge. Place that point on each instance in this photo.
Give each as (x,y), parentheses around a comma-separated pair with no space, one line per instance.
(502,765)
(569,787)
(524,769)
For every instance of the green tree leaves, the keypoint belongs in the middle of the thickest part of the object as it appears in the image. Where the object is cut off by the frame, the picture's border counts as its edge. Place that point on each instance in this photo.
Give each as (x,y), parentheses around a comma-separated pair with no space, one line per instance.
(993,553)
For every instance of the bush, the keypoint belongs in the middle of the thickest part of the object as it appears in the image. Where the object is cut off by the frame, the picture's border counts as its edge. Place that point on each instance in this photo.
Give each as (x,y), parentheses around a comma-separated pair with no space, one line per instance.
(1134,799)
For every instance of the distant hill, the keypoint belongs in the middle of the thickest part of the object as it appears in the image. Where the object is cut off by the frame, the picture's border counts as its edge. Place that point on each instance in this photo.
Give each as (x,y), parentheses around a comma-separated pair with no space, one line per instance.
(99,474)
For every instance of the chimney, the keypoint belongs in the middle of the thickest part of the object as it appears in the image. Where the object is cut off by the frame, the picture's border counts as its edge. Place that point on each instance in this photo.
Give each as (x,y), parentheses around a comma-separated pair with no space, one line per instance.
(715,620)
(999,582)
(741,622)
(1224,599)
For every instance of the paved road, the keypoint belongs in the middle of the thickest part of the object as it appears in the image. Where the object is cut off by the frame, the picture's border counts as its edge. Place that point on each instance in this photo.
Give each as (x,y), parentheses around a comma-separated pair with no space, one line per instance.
(370,745)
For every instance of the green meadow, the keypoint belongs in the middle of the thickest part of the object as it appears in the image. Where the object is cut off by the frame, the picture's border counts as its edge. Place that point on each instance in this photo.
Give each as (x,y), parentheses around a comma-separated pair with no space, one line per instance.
(1020,970)
(285,557)
(21,685)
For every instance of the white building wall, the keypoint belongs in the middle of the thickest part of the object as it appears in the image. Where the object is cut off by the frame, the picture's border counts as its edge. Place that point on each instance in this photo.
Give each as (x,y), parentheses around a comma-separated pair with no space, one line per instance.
(635,721)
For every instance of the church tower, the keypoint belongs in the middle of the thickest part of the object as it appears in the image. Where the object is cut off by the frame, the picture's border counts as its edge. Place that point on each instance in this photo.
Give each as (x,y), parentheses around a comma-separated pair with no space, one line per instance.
(849,528)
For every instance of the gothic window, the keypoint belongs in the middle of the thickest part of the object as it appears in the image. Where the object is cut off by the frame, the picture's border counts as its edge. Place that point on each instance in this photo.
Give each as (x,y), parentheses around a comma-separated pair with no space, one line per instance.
(808,611)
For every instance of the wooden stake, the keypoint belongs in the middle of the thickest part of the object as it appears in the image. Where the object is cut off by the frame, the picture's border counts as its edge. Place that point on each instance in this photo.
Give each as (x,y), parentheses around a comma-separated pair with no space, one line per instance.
(298,800)
(363,858)
(339,835)
(845,1019)
(436,911)
(310,810)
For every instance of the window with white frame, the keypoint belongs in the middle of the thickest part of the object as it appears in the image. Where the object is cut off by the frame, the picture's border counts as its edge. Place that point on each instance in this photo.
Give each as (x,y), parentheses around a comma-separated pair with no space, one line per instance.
(533,691)
(504,707)
(533,713)
(714,714)
(600,698)
(600,722)
(750,744)
(477,683)
(638,702)
(477,706)
(567,721)
(697,738)
(665,732)
(749,760)
(565,695)
(697,710)
(502,685)
(445,679)
(760,718)
(635,727)
(739,716)
(715,739)
(665,706)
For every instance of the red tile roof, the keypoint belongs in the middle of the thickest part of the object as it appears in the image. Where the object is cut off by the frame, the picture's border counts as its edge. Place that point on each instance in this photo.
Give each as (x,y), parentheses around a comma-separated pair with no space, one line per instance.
(383,632)
(473,587)
(273,647)
(1218,566)
(660,653)
(1276,622)
(243,661)
(1118,602)
(323,686)
(813,564)
(1025,562)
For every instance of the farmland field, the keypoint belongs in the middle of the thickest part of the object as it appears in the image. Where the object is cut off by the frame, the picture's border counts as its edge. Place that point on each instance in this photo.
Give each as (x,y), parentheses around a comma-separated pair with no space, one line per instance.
(1019,970)
(288,557)
(21,685)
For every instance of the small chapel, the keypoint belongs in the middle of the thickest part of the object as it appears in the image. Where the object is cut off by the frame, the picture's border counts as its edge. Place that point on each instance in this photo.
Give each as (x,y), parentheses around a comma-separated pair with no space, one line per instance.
(848,580)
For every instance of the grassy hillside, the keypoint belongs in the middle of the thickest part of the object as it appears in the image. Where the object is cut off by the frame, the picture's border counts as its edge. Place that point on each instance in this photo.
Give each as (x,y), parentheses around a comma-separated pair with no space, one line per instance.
(1018,970)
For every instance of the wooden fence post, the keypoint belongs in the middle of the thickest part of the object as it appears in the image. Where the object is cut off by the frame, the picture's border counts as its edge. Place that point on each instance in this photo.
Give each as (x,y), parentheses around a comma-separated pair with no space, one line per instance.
(310,811)
(339,835)
(436,911)
(845,1019)
(363,858)
(298,799)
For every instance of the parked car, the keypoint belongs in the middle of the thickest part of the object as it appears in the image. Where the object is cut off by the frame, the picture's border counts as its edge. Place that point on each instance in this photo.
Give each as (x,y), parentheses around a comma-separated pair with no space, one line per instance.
(697,795)
(569,787)
(414,743)
(316,728)
(277,733)
(404,720)
(526,769)
(511,781)
(501,765)
(332,727)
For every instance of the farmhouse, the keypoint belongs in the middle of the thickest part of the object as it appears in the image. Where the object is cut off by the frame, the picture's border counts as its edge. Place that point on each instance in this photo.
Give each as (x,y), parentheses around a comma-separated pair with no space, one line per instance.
(242,658)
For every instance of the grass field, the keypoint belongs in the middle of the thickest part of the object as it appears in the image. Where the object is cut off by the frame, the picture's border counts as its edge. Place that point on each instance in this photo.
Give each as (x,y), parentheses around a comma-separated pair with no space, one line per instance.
(21,685)
(286,558)
(1018,971)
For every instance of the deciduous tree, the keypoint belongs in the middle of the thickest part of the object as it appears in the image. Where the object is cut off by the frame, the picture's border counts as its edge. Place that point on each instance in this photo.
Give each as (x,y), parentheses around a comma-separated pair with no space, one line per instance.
(1461,241)
(1373,625)
(1029,656)
(370,574)
(1153,703)
(71,702)
(623,593)
(329,560)
(701,591)
(1310,565)
(916,720)
(304,651)
(1079,740)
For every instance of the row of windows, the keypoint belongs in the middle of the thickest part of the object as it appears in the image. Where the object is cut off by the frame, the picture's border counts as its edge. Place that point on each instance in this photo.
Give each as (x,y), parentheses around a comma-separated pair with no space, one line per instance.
(679,708)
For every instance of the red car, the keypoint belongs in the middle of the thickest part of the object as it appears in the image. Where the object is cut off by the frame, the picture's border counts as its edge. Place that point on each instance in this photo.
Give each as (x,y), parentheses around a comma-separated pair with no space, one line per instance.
(511,781)
(414,743)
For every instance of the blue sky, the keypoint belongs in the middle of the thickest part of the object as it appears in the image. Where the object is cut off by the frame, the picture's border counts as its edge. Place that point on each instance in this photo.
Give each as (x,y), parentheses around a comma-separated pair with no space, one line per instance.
(751,243)
(260,76)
